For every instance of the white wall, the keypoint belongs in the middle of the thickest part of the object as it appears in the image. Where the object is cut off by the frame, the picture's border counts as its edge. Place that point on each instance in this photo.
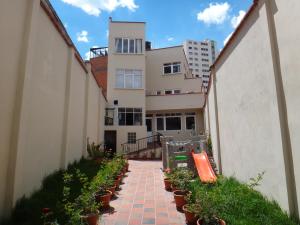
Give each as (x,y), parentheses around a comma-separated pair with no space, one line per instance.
(44,94)
(250,129)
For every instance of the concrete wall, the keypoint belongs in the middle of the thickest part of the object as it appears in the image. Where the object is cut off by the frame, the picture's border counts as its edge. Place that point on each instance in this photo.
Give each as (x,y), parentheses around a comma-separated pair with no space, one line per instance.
(253,105)
(50,102)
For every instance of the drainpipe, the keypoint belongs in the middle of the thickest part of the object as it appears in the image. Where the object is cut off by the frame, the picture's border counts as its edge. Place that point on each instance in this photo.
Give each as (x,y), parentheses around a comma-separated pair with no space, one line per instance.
(213,73)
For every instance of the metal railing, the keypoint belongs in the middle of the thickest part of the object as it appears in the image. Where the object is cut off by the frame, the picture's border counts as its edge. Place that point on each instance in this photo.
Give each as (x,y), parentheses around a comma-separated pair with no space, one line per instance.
(150,142)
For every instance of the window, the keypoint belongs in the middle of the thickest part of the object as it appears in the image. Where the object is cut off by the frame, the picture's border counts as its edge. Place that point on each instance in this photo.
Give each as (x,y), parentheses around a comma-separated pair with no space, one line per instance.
(125,45)
(190,58)
(190,53)
(171,92)
(130,116)
(131,79)
(190,48)
(160,123)
(197,70)
(168,92)
(196,53)
(204,54)
(190,64)
(190,122)
(173,123)
(195,43)
(195,48)
(205,65)
(170,68)
(196,64)
(205,60)
(196,59)
(158,92)
(131,137)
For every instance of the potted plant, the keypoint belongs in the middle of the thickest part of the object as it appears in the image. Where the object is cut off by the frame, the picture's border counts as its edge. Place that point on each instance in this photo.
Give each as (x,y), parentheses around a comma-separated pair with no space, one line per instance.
(208,215)
(191,209)
(103,196)
(181,179)
(167,180)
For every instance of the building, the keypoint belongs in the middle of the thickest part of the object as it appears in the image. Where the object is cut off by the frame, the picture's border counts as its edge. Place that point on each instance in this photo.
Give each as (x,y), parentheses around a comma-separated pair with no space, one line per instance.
(200,56)
(148,90)
(252,108)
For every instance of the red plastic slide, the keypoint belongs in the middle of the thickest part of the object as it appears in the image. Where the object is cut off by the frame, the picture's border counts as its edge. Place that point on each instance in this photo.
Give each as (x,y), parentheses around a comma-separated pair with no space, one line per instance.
(205,171)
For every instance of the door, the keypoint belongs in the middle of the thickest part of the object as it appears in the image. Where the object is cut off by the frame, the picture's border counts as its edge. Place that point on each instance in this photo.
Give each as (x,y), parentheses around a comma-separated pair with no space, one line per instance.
(110,140)
(149,128)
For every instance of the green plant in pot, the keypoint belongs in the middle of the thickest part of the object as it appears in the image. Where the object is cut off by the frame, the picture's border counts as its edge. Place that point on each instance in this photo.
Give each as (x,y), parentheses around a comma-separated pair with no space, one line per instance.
(208,213)
(167,179)
(181,179)
(84,209)
(191,209)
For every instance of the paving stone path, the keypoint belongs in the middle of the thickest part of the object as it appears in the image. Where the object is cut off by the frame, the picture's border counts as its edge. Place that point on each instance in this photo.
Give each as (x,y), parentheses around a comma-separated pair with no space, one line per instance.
(143,199)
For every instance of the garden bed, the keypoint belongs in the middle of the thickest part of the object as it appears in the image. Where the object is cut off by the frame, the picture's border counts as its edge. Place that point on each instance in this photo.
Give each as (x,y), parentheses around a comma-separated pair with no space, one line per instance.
(62,190)
(228,199)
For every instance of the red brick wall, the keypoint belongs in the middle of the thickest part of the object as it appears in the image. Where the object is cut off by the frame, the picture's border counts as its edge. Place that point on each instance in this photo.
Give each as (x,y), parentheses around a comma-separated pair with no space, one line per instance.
(99,69)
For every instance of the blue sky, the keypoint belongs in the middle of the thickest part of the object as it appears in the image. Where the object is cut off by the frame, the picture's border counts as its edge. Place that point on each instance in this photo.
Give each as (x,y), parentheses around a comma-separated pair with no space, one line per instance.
(168,22)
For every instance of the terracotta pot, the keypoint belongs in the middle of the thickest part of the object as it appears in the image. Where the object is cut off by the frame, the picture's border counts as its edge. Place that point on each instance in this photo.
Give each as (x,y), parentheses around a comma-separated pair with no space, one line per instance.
(179,197)
(127,167)
(190,217)
(117,182)
(92,218)
(173,188)
(112,189)
(167,184)
(221,222)
(104,199)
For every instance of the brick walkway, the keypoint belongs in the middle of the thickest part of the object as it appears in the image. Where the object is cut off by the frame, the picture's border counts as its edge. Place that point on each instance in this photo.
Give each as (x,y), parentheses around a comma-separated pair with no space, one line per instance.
(143,199)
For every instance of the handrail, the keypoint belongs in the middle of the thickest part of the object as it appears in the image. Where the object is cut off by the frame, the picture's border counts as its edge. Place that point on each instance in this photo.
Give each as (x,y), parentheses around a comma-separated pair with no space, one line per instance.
(141,144)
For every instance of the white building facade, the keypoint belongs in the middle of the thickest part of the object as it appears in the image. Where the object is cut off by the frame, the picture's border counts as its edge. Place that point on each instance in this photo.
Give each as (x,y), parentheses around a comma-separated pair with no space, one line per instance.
(200,55)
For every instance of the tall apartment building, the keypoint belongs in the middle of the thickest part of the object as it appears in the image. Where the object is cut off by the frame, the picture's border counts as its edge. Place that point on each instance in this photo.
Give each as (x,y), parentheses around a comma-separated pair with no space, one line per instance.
(147,90)
(200,56)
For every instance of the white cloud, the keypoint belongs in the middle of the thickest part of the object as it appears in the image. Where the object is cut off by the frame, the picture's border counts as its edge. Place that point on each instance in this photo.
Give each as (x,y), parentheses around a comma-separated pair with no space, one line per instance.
(216,13)
(82,36)
(94,7)
(235,21)
(87,55)
(170,39)
(227,38)
(65,25)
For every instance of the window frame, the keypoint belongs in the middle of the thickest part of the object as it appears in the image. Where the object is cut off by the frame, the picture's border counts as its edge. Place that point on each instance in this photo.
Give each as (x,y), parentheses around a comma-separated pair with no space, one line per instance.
(172,65)
(131,137)
(190,116)
(133,76)
(136,51)
(135,111)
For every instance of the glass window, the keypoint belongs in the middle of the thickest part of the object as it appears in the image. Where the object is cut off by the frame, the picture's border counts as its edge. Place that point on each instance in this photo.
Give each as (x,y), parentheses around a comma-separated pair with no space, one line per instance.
(120,79)
(177,91)
(131,46)
(167,68)
(125,45)
(190,122)
(138,46)
(129,79)
(168,92)
(118,45)
(131,137)
(173,123)
(130,116)
(160,124)
(176,67)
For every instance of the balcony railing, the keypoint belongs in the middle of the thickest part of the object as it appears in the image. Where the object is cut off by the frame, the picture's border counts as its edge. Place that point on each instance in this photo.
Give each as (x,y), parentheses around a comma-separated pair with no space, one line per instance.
(98,52)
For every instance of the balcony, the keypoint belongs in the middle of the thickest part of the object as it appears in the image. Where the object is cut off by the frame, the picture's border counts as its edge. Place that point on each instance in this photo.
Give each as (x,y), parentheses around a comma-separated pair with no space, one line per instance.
(192,100)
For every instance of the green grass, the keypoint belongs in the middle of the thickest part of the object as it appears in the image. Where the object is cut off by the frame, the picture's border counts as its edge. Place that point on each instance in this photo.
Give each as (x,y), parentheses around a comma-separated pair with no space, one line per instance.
(238,204)
(28,209)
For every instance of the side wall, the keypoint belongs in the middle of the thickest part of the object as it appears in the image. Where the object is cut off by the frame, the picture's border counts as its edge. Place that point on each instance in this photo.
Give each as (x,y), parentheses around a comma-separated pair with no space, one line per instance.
(50,102)
(258,123)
